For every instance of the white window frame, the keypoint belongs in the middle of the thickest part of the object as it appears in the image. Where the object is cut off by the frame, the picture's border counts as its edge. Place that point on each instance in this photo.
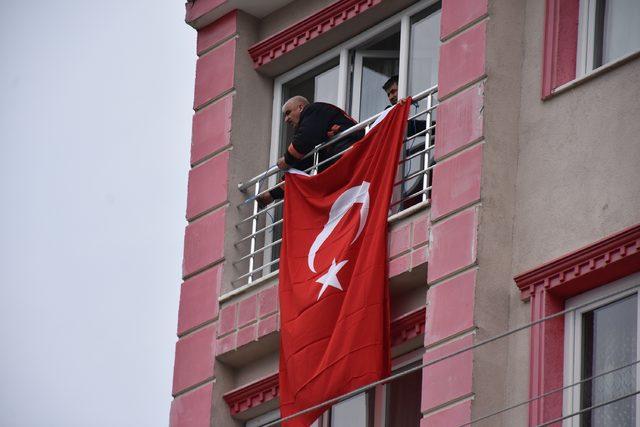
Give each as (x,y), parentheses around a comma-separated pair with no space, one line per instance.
(402,18)
(381,392)
(617,290)
(586,35)
(586,40)
(357,74)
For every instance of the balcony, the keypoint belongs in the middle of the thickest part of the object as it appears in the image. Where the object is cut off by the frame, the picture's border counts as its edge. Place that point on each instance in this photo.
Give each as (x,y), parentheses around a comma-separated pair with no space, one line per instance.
(259,230)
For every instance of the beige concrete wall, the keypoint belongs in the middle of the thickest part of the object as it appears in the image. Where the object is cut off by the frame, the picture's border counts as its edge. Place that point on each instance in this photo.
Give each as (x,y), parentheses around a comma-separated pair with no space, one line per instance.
(300,9)
(289,15)
(492,386)
(557,175)
(250,136)
(578,174)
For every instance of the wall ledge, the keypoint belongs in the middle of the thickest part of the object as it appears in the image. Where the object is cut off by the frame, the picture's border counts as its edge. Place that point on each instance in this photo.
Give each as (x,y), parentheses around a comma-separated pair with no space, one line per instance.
(308,29)
(603,261)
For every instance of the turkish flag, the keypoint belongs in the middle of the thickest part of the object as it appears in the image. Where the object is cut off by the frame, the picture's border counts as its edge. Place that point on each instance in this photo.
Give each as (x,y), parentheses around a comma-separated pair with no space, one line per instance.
(334,297)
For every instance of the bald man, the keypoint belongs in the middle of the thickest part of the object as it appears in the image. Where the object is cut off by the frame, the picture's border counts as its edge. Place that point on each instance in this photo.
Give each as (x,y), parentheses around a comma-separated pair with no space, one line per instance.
(314,123)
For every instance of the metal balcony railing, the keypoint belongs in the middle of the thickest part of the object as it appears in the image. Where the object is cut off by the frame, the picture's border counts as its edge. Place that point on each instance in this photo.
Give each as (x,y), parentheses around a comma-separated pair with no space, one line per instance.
(258,248)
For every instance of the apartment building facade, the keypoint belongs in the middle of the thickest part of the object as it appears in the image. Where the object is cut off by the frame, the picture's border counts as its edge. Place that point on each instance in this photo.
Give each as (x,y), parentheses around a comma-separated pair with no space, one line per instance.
(514,232)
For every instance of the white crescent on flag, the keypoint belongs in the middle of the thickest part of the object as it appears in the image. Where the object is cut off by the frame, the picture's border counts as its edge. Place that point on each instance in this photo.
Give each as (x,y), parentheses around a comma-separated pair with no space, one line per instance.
(358,194)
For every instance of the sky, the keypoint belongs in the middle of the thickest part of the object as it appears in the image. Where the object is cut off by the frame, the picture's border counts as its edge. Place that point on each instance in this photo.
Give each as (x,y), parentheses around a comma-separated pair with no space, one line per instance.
(95,127)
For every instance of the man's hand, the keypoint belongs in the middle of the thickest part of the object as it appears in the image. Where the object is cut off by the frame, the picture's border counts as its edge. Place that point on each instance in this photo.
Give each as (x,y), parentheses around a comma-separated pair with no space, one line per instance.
(264,200)
(282,165)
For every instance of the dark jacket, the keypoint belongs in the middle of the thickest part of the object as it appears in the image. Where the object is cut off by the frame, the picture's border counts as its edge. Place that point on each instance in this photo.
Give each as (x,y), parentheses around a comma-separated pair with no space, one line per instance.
(315,127)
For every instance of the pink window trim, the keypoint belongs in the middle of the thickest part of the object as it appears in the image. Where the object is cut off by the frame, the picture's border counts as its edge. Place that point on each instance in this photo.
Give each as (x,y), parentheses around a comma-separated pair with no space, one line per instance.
(308,29)
(403,329)
(547,287)
(560,44)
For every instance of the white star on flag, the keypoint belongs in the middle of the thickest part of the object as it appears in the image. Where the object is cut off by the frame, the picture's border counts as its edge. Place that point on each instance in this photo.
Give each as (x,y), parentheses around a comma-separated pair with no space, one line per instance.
(331,277)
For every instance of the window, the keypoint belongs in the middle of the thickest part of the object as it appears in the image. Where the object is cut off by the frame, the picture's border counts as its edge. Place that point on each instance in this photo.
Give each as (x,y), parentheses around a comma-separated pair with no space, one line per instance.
(601,348)
(353,412)
(392,405)
(608,30)
(351,76)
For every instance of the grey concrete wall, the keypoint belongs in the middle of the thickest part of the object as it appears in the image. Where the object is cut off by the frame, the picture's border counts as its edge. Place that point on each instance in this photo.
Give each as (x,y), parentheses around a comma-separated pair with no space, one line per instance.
(289,15)
(492,386)
(578,174)
(300,9)
(557,175)
(250,137)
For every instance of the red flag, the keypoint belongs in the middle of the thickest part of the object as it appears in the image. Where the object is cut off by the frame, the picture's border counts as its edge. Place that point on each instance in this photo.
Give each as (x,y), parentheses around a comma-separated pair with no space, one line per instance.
(334,297)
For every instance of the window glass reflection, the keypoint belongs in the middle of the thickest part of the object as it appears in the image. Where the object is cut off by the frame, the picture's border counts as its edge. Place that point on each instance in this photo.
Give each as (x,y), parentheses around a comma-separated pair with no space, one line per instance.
(404,400)
(351,412)
(375,72)
(609,341)
(326,86)
(618,28)
(424,51)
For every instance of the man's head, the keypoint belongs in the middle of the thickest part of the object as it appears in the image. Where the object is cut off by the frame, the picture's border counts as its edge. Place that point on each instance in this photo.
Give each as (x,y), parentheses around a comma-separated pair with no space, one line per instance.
(391,88)
(293,108)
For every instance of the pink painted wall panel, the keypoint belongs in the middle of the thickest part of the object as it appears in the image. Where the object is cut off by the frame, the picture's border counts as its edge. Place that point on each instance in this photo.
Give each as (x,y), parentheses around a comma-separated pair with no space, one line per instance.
(458,13)
(419,256)
(247,310)
(453,244)
(199,299)
(247,334)
(457,415)
(456,182)
(207,187)
(192,409)
(214,73)
(421,230)
(462,59)
(268,325)
(226,344)
(450,307)
(460,121)
(449,379)
(227,321)
(399,239)
(560,44)
(399,265)
(211,129)
(197,9)
(194,359)
(216,31)
(203,242)
(268,301)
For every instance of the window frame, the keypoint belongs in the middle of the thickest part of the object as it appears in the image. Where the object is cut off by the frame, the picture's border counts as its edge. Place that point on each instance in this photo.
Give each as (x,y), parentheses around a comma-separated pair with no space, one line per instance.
(403,18)
(585,55)
(547,287)
(379,397)
(617,291)
(586,37)
(342,52)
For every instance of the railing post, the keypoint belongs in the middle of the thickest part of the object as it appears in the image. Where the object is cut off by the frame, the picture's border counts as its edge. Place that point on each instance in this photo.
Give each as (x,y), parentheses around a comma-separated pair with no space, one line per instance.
(263,242)
(427,144)
(254,228)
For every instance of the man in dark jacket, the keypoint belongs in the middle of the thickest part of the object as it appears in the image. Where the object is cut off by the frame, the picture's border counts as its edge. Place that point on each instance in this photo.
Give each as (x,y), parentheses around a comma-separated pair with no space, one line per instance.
(314,123)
